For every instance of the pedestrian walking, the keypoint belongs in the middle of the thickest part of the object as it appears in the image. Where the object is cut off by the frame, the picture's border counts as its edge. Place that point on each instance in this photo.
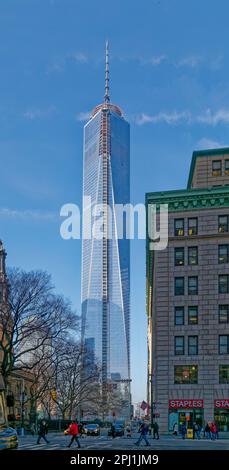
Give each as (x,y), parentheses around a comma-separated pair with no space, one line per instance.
(128,431)
(207,431)
(113,432)
(183,430)
(196,430)
(42,431)
(32,428)
(217,431)
(155,431)
(143,435)
(175,429)
(213,431)
(73,430)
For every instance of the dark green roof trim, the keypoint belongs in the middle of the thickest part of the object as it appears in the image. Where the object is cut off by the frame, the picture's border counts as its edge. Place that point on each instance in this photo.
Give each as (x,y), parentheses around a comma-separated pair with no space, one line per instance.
(204,153)
(186,200)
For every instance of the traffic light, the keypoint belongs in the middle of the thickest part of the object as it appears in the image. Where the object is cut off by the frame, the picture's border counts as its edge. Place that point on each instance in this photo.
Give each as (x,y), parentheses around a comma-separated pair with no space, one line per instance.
(53,395)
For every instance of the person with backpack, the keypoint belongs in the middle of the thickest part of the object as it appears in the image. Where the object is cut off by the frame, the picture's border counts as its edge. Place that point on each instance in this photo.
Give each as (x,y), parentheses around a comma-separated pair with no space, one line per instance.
(143,434)
(196,430)
(73,430)
(42,431)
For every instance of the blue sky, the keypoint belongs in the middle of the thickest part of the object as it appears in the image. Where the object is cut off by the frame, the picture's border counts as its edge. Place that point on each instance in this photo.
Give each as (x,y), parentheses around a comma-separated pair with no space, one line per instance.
(169,70)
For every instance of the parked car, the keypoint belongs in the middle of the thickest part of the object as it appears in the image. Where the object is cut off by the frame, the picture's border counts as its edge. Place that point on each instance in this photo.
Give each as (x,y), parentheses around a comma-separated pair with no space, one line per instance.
(8,435)
(119,430)
(92,430)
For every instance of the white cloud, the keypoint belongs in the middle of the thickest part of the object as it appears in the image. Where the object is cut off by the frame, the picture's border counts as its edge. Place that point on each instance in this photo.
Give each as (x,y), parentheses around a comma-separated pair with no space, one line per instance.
(189,61)
(39,113)
(213,118)
(155,60)
(28,214)
(208,117)
(83,116)
(206,143)
(166,117)
(77,56)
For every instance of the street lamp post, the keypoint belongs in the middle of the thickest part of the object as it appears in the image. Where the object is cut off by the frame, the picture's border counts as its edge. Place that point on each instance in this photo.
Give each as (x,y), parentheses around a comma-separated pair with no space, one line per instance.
(22,406)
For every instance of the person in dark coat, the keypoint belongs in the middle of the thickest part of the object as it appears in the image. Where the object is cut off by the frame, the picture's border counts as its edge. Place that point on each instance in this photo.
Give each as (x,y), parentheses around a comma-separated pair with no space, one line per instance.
(42,431)
(113,432)
(155,431)
(183,430)
(143,435)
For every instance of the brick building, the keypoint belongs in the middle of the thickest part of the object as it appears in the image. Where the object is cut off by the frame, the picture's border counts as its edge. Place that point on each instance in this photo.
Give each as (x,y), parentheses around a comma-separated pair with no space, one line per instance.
(188,299)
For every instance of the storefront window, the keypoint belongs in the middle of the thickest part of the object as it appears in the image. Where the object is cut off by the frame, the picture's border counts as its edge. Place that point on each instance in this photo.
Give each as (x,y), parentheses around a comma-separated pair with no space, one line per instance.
(185,416)
(186,374)
(222,419)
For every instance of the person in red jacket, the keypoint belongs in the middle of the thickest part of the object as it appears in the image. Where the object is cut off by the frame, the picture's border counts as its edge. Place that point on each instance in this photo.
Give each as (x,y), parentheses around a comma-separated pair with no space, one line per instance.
(74,431)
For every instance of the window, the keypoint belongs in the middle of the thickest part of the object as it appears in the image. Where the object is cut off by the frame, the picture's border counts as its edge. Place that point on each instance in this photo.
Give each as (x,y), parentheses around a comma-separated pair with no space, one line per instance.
(192,225)
(224,374)
(179,316)
(193,285)
(226,168)
(223,344)
(179,345)
(192,255)
(192,345)
(193,315)
(223,254)
(223,223)
(179,286)
(186,374)
(223,284)
(179,256)
(179,227)
(216,168)
(223,314)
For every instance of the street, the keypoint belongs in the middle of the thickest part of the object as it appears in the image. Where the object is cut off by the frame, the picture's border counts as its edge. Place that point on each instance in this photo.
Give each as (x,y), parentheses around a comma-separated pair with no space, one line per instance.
(103,442)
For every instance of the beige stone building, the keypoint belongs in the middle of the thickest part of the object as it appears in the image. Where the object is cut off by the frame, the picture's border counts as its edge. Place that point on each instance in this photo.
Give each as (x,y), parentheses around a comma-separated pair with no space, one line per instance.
(188,300)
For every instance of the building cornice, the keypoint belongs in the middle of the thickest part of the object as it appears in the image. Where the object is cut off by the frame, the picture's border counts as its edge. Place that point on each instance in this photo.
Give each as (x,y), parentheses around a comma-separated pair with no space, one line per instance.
(195,199)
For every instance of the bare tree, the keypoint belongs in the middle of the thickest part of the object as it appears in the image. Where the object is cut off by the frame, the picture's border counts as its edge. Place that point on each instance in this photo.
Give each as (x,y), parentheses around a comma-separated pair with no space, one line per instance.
(75,381)
(32,323)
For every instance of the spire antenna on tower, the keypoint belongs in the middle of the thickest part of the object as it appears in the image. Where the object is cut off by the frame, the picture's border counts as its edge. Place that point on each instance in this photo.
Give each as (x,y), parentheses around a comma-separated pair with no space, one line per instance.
(107,89)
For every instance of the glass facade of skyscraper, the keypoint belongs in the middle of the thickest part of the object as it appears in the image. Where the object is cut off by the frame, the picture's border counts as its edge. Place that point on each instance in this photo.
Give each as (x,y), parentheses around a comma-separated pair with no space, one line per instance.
(106,260)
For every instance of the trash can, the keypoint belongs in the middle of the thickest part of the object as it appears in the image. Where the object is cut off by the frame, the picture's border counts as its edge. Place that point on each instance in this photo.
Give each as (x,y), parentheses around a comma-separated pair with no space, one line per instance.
(190,433)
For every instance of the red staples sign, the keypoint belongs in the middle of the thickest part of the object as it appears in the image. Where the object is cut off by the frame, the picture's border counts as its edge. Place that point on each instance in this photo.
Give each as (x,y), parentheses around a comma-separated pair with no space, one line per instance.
(186,404)
(221,403)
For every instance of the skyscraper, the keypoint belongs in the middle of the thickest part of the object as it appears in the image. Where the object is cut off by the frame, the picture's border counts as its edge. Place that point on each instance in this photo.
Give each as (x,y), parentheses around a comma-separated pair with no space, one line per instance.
(106,259)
